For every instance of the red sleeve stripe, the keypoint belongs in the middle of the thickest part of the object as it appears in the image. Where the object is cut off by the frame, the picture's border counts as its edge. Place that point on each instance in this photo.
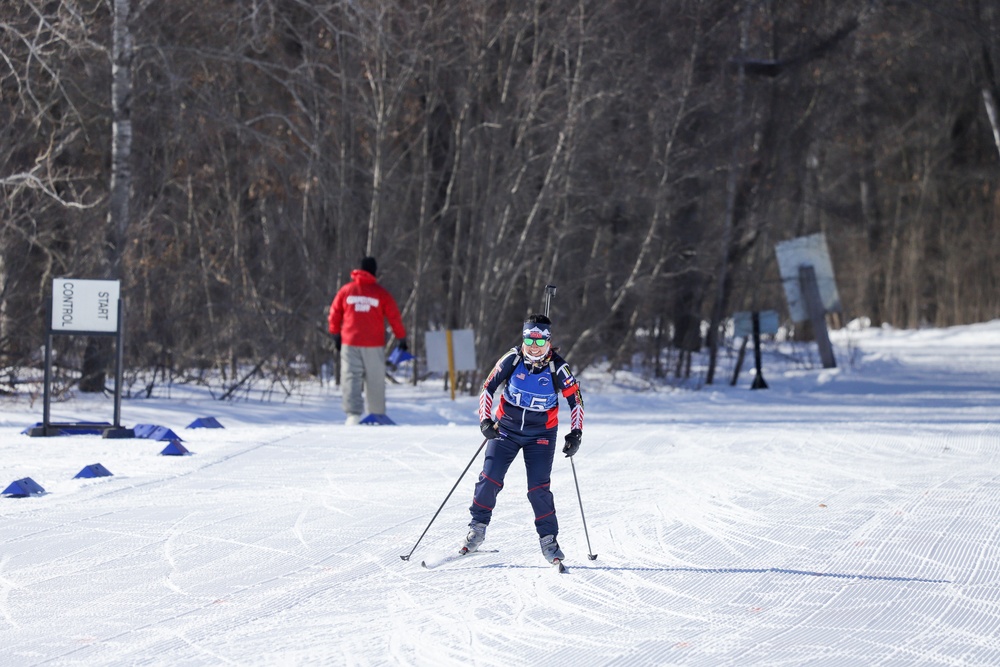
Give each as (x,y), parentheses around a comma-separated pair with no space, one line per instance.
(576,417)
(485,405)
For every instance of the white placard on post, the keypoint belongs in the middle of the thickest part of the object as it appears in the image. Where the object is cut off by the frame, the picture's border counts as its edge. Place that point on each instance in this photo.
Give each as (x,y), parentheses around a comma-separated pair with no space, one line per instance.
(807,251)
(85,305)
(464,350)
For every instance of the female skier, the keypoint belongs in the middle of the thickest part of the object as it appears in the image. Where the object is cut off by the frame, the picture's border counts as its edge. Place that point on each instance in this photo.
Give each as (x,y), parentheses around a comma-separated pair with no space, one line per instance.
(526,420)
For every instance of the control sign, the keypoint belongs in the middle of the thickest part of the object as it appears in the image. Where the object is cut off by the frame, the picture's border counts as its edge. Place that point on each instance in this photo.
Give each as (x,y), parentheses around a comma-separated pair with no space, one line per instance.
(85,305)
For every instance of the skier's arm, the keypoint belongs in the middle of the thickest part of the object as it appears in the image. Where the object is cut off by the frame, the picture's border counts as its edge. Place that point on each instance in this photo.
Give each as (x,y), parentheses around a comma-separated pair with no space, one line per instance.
(392,314)
(336,316)
(570,389)
(575,400)
(500,374)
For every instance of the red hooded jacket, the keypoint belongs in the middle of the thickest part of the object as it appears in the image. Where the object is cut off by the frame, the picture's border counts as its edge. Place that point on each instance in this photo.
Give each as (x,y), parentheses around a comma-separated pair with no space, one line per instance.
(359,311)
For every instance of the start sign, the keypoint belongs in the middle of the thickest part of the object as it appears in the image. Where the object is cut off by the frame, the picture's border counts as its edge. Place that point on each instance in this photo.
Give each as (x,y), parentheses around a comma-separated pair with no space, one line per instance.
(85,305)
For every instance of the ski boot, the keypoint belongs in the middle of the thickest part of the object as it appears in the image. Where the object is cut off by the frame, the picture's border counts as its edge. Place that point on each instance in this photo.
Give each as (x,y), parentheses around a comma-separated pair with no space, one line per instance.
(477,533)
(550,549)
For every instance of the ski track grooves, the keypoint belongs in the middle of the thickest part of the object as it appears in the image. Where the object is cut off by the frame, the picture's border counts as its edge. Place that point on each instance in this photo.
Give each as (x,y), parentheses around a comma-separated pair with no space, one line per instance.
(756,531)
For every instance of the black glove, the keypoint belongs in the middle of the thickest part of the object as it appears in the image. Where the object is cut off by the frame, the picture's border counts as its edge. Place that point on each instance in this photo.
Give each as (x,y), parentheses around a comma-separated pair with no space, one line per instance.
(572,442)
(489,429)
(336,341)
(403,346)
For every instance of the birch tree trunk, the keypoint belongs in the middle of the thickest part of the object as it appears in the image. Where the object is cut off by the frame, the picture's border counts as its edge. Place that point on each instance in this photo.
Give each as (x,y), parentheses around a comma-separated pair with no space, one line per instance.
(121,138)
(97,352)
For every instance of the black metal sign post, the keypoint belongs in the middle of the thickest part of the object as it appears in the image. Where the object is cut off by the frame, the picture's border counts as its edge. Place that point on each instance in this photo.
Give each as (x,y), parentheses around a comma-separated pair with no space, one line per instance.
(747,324)
(48,378)
(84,311)
(117,431)
(758,380)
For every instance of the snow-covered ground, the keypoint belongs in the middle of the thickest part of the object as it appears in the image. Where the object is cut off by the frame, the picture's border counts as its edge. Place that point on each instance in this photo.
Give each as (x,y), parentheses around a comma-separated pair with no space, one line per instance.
(841,517)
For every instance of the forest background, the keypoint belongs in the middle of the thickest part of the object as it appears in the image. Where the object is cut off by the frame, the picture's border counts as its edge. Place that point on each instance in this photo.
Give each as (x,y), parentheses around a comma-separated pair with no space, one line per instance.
(230,161)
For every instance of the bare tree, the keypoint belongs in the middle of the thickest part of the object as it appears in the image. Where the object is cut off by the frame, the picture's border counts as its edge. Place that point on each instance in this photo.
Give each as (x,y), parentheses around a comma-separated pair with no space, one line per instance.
(481,151)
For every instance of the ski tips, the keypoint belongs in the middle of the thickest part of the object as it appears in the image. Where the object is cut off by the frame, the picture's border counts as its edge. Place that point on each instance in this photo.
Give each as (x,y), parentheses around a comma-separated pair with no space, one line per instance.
(434,563)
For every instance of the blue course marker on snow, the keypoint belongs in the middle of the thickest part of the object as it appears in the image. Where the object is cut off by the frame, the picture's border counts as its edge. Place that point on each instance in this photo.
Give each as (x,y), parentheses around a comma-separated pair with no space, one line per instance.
(175,449)
(93,470)
(23,488)
(377,420)
(154,432)
(205,422)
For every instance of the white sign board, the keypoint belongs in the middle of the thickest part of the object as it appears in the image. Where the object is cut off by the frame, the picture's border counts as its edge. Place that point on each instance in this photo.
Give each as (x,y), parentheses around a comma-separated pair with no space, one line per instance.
(85,305)
(808,251)
(463,345)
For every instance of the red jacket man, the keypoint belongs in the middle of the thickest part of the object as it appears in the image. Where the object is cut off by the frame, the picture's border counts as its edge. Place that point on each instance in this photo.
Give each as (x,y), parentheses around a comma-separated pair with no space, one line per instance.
(357,322)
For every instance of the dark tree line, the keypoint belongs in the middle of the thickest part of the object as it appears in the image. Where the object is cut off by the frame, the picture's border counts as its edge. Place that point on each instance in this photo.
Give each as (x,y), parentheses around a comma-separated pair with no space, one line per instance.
(644,156)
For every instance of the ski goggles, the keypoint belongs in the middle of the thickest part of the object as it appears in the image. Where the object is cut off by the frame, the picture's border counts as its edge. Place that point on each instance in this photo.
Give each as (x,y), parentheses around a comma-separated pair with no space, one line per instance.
(540,342)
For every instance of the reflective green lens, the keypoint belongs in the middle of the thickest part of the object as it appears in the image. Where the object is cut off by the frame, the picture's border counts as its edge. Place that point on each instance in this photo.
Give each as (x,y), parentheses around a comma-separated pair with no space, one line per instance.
(540,342)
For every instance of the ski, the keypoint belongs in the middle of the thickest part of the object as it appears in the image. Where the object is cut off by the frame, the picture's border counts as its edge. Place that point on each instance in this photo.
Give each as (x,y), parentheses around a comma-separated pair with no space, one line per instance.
(450,558)
(558,566)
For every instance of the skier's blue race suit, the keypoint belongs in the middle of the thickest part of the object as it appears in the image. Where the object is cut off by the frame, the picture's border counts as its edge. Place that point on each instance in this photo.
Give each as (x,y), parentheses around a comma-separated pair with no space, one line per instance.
(527,419)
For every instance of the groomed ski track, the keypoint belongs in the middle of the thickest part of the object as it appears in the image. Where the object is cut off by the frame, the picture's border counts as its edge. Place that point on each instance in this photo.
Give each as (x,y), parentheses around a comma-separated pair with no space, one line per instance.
(854,520)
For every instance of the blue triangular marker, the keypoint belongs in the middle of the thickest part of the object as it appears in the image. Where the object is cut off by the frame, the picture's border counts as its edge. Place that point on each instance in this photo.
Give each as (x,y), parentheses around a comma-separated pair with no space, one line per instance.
(175,449)
(205,422)
(23,488)
(377,420)
(94,470)
(154,432)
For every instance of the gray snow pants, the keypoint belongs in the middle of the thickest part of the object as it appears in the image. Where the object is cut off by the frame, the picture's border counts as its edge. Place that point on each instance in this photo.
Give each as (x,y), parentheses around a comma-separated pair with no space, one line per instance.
(362,367)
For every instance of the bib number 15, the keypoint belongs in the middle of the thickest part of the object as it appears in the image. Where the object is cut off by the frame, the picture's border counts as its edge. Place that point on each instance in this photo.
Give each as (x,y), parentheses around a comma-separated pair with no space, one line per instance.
(536,403)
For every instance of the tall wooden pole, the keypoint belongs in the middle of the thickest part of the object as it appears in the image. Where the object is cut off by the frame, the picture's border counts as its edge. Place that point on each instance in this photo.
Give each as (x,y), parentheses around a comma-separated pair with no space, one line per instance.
(722,275)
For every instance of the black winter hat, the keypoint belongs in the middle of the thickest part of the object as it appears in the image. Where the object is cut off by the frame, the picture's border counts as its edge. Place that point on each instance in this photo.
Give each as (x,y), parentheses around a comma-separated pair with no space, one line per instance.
(370,265)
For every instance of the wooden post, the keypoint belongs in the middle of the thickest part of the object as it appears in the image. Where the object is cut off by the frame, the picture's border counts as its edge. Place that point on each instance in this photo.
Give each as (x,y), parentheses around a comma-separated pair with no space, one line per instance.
(817,314)
(451,362)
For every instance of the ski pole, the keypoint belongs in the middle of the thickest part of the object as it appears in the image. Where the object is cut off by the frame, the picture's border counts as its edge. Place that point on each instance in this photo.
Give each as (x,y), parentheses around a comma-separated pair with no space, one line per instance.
(590,552)
(474,457)
(550,291)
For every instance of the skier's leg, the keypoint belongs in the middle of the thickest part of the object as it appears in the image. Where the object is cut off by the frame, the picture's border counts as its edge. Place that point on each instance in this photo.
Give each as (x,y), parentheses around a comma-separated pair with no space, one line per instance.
(538,456)
(499,455)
